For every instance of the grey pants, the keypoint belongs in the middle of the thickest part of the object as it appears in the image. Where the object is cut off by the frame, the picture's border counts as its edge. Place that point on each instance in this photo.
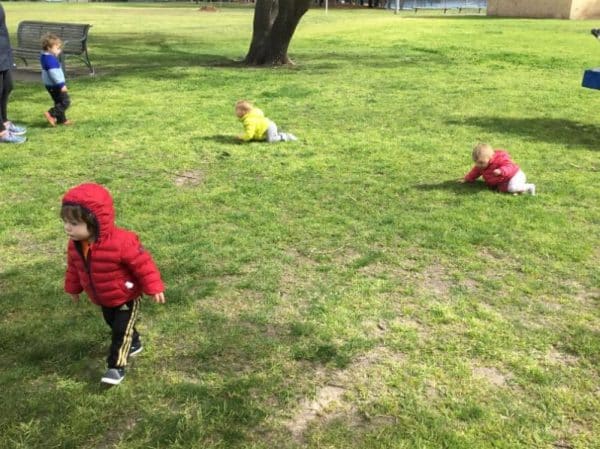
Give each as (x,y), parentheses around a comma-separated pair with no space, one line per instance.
(273,135)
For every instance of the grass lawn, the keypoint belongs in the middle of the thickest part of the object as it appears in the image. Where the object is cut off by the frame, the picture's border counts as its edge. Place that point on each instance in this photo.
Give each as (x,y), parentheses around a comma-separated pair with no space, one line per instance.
(339,292)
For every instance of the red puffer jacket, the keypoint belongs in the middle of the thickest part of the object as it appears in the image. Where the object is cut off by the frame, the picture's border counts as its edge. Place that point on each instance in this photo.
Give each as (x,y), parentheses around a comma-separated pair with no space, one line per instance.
(118,269)
(500,160)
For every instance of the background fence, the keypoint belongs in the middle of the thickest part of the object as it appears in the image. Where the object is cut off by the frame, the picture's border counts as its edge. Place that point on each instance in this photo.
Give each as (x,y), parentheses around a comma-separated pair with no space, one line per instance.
(436,4)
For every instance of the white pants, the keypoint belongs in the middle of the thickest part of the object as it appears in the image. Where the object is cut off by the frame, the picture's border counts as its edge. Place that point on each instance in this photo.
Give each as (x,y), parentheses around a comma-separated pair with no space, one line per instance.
(518,183)
(274,135)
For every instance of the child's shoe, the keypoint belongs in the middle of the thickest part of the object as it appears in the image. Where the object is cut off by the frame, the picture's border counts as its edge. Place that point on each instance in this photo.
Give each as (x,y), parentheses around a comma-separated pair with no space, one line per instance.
(531,189)
(113,376)
(135,349)
(50,118)
(15,129)
(9,137)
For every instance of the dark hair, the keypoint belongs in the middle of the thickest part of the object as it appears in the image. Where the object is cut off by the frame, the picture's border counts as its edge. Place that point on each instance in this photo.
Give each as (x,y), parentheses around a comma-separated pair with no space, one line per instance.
(75,212)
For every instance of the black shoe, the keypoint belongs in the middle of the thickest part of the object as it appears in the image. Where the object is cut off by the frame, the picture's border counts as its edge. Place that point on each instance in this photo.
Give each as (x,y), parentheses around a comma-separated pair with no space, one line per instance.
(135,349)
(596,32)
(113,376)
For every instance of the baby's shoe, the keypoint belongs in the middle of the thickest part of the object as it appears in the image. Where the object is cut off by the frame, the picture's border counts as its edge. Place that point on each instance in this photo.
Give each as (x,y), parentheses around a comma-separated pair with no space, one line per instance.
(531,189)
(50,118)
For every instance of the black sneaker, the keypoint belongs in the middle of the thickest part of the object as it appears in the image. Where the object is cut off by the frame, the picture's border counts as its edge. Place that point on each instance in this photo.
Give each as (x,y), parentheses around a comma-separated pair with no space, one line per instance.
(135,349)
(113,376)
(596,32)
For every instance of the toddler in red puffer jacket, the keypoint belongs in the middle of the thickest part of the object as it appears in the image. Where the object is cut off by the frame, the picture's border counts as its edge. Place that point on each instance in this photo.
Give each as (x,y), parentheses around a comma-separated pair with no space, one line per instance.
(498,171)
(111,266)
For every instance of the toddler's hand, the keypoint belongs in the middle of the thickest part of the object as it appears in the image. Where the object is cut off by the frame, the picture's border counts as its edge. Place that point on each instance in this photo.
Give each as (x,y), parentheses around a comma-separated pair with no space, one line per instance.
(63,89)
(159,298)
(497,172)
(461,180)
(74,298)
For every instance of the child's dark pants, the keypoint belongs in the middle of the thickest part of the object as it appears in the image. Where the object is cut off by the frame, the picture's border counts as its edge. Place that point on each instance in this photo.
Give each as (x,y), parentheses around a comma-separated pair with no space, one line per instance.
(122,323)
(61,104)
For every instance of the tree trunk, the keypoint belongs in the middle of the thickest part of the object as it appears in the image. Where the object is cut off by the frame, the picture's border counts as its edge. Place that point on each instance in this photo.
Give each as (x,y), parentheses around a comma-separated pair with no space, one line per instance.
(275,22)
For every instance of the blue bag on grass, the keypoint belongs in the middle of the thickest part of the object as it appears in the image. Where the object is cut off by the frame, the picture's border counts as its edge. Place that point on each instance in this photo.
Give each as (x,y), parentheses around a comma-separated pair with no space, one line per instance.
(591,78)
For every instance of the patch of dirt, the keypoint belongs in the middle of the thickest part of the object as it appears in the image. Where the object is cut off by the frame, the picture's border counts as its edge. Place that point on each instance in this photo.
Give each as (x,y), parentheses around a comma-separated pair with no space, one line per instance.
(498,264)
(345,256)
(189,178)
(115,435)
(469,284)
(232,303)
(562,444)
(491,375)
(375,328)
(431,390)
(382,270)
(299,273)
(436,280)
(328,403)
(556,357)
(589,295)
(300,259)
(310,409)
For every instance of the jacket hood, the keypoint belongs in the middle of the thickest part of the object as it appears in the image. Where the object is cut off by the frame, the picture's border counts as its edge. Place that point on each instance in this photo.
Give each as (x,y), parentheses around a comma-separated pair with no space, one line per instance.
(98,201)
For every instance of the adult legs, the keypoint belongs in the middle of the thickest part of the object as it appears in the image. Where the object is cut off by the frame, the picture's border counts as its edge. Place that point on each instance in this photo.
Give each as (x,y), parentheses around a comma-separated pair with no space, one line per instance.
(6,86)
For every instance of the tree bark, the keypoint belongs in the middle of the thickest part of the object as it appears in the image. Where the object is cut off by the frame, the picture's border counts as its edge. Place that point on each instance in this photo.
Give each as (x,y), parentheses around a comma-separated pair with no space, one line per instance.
(275,22)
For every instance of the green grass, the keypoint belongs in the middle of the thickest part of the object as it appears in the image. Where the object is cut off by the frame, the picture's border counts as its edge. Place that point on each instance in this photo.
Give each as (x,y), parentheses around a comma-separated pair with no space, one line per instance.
(348,268)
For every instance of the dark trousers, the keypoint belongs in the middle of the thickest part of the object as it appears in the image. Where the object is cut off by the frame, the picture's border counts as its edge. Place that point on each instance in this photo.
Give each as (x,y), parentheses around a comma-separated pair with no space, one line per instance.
(61,104)
(122,323)
(6,86)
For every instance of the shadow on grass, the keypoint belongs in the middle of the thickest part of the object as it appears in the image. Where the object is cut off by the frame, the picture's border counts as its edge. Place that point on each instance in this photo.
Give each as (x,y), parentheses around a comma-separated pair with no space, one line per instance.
(454,186)
(221,138)
(137,54)
(551,130)
(160,50)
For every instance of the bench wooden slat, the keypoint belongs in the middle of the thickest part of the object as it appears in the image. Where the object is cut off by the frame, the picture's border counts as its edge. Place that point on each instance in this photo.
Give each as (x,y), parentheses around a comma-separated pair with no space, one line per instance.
(73,35)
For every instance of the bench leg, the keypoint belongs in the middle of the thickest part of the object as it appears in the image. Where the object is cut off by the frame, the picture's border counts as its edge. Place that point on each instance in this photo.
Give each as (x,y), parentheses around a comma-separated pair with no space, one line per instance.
(88,63)
(24,60)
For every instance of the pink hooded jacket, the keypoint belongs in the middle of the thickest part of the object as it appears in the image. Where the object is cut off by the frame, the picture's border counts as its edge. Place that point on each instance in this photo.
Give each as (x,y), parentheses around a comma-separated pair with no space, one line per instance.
(501,160)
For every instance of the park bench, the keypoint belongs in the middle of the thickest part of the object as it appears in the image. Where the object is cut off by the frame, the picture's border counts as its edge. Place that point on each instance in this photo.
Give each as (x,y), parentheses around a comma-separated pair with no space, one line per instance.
(73,35)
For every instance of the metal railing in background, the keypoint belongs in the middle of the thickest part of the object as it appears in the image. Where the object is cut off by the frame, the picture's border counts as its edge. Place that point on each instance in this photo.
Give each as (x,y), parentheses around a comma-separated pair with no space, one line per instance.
(444,5)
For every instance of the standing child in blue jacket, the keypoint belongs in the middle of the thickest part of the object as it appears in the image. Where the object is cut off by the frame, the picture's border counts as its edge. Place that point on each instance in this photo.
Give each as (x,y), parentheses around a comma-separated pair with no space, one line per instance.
(54,80)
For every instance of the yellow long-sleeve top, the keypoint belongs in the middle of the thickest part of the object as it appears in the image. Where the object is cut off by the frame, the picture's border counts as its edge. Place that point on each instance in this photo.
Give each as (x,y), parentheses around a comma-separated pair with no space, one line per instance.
(255,125)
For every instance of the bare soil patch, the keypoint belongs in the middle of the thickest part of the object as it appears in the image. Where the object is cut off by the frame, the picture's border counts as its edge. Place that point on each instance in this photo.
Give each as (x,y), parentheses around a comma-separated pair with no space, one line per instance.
(491,375)
(328,402)
(189,178)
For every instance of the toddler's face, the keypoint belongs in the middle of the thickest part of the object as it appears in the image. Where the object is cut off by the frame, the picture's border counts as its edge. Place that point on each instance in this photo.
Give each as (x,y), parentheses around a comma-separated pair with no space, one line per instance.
(55,49)
(239,111)
(483,161)
(77,230)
